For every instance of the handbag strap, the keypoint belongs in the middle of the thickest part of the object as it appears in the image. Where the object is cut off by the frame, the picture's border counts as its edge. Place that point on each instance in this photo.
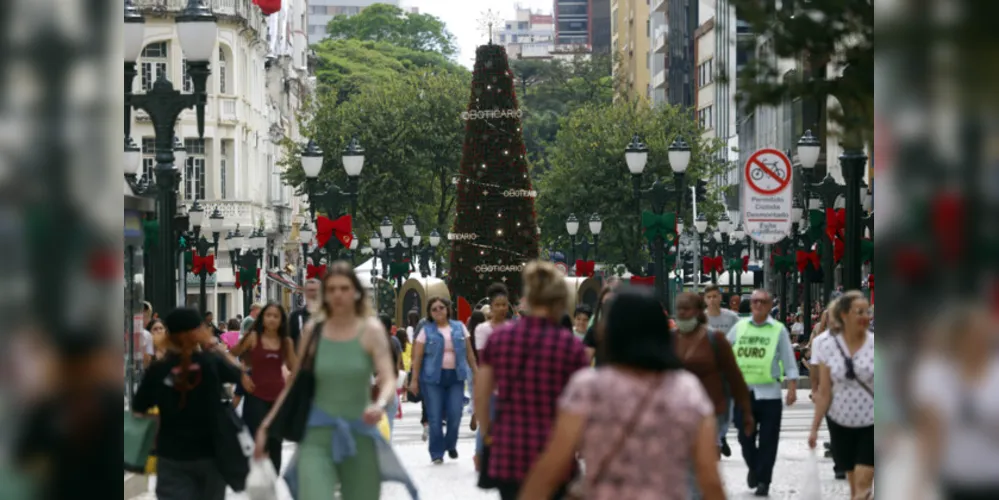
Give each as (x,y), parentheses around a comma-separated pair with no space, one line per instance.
(856,377)
(310,352)
(627,431)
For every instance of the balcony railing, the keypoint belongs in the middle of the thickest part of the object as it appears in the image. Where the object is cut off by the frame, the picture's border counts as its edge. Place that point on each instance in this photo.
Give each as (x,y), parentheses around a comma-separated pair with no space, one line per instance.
(659,5)
(245,213)
(227,109)
(660,42)
(242,11)
(659,80)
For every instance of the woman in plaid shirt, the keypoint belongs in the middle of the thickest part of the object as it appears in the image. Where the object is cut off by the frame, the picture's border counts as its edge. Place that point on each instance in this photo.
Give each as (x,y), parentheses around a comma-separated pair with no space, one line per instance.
(529,362)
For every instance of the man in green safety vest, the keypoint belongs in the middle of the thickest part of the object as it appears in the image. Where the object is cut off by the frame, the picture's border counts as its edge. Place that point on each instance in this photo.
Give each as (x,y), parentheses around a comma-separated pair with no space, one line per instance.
(763,352)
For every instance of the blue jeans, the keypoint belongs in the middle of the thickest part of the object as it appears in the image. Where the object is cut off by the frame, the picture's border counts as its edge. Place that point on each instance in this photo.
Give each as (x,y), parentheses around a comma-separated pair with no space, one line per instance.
(444,401)
(391,410)
(479,438)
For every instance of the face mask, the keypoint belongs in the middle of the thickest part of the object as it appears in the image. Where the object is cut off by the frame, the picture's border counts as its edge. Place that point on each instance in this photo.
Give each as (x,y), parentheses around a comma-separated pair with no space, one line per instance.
(686,325)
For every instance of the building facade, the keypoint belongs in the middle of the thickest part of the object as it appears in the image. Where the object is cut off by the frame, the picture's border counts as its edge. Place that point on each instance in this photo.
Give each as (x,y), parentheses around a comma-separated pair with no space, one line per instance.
(630,37)
(321,12)
(259,77)
(600,15)
(529,35)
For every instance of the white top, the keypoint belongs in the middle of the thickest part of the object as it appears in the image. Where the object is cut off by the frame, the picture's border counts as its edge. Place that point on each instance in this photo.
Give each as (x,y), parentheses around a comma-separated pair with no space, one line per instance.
(813,360)
(970,419)
(148,346)
(482,333)
(852,406)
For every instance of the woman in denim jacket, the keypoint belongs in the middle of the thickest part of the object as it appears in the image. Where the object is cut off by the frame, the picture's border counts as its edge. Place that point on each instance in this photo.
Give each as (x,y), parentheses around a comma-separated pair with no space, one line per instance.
(443,360)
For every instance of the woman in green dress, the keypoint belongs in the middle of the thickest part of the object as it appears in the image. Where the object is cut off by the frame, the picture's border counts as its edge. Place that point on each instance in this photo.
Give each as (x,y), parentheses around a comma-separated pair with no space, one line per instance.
(341,448)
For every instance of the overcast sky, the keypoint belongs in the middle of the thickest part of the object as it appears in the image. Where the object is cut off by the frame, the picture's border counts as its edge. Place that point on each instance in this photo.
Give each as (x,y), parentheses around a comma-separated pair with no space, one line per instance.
(461,18)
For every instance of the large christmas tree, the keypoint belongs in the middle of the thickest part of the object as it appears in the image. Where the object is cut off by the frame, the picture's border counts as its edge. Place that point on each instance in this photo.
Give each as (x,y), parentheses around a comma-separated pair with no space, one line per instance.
(495,230)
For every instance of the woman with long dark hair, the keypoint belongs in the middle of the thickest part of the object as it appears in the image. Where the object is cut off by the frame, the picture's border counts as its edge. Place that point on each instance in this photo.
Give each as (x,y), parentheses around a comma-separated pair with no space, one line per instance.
(639,421)
(594,335)
(265,350)
(344,344)
(498,296)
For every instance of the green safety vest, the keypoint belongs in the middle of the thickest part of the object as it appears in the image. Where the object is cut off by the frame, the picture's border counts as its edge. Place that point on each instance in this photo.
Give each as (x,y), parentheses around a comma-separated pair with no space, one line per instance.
(755,349)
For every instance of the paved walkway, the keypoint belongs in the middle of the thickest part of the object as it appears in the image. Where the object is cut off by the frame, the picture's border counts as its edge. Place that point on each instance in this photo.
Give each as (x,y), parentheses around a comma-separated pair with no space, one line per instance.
(455,480)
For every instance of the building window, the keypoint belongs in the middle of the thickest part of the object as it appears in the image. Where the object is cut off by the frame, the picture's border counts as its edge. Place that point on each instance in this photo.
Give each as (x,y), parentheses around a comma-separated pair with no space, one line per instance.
(148,160)
(522,25)
(502,38)
(513,38)
(223,167)
(706,73)
(223,84)
(705,118)
(194,173)
(154,64)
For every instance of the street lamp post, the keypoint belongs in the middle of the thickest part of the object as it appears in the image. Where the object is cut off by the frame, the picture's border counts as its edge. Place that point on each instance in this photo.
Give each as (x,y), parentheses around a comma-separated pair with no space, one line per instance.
(853,162)
(595,225)
(734,244)
(572,227)
(658,224)
(327,196)
(197,32)
(245,253)
(203,264)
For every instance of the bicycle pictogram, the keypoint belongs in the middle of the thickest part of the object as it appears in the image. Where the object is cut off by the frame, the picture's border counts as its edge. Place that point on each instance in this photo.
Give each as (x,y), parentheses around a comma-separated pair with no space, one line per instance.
(757,173)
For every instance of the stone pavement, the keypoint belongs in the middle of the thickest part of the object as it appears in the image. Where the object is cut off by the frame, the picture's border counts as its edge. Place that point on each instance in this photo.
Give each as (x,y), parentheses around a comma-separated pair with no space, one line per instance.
(455,479)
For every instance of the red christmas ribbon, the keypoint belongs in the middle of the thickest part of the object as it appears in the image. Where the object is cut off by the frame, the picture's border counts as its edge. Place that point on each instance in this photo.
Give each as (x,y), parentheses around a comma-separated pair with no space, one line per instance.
(643,280)
(835,222)
(207,263)
(585,268)
(713,264)
(268,7)
(326,228)
(803,258)
(315,271)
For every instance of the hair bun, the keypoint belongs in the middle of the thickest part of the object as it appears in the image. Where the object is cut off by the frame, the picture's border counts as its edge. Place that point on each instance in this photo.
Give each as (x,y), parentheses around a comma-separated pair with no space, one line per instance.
(544,285)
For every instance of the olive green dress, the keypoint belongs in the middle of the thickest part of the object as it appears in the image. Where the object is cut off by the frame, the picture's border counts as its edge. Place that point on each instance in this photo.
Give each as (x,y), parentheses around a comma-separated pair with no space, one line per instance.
(343,389)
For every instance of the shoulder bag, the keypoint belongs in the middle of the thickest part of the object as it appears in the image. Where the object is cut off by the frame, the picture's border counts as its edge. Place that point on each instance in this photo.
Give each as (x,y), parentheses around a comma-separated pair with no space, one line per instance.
(289,422)
(233,442)
(140,436)
(577,490)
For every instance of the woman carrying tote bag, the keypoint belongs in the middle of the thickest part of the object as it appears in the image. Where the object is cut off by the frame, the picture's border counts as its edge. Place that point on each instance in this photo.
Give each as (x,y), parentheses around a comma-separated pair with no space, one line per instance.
(186,386)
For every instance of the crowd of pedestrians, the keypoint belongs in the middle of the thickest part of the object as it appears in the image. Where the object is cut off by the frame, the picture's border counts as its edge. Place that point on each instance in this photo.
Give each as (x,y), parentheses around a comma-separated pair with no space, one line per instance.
(624,400)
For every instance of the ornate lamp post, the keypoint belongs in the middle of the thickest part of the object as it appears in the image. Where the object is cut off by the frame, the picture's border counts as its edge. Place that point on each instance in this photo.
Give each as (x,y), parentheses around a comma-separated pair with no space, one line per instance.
(245,253)
(197,32)
(659,225)
(202,263)
(330,199)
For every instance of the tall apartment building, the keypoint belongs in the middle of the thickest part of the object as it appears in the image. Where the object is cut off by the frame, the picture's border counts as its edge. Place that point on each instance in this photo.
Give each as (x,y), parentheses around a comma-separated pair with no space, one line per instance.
(630,38)
(321,12)
(573,23)
(530,35)
(658,60)
(600,15)
(259,78)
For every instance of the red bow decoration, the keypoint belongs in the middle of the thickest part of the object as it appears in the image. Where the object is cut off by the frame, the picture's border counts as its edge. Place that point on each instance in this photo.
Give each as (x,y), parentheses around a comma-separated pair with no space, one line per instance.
(248,276)
(870,285)
(745,263)
(315,271)
(713,264)
(839,250)
(326,228)
(803,258)
(643,280)
(948,214)
(207,263)
(835,222)
(911,263)
(268,7)
(585,268)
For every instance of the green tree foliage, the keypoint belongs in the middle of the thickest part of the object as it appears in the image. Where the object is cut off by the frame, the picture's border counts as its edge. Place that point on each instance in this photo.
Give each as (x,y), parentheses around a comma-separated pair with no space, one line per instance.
(412,132)
(345,67)
(388,23)
(816,33)
(549,90)
(589,175)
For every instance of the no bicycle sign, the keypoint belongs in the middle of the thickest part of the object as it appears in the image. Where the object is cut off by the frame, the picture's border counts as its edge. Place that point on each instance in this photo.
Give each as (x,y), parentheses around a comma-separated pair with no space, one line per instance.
(767,196)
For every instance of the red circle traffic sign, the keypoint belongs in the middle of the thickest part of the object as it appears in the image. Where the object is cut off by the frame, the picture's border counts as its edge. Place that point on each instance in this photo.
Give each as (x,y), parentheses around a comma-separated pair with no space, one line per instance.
(769,174)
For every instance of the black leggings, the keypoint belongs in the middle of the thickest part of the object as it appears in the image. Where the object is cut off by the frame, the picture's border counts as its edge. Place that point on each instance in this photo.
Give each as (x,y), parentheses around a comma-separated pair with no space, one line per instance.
(423,409)
(254,412)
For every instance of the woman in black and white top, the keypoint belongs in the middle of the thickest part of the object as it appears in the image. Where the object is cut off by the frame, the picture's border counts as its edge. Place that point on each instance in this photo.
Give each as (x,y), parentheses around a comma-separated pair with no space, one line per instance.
(956,397)
(846,390)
